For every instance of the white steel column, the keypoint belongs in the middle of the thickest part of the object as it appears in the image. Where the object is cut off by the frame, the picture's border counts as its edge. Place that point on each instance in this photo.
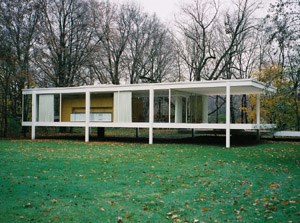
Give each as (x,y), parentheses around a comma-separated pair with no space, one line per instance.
(258,114)
(258,109)
(33,115)
(87,115)
(23,98)
(186,109)
(151,114)
(228,115)
(170,105)
(118,106)
(116,112)
(178,109)
(60,107)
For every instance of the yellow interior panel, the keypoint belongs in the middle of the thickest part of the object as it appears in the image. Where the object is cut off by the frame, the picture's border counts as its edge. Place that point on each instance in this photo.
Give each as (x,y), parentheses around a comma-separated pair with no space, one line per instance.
(76,104)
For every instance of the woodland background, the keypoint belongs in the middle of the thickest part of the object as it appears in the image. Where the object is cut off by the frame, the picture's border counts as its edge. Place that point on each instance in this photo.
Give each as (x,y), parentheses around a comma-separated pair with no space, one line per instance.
(63,43)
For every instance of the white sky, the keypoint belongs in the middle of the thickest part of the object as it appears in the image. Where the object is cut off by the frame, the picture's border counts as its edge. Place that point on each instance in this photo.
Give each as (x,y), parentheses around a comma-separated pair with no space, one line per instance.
(165,9)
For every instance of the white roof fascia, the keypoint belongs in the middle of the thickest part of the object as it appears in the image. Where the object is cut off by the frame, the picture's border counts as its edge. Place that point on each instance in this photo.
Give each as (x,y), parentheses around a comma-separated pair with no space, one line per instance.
(258,87)
(264,86)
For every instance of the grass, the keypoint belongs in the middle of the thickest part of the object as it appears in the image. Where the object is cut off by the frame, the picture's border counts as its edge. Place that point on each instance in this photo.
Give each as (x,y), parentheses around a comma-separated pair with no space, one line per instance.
(72,181)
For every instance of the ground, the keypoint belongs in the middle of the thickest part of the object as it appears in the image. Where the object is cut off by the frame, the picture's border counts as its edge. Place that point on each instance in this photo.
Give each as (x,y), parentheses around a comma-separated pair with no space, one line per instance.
(73,181)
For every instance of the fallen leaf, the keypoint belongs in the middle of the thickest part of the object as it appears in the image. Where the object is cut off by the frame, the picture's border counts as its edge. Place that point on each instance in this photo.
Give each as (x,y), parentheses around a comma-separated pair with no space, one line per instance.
(119,219)
(175,216)
(55,218)
(239,218)
(222,211)
(171,212)
(274,186)
(28,205)
(242,209)
(102,209)
(205,209)
(202,197)
(248,192)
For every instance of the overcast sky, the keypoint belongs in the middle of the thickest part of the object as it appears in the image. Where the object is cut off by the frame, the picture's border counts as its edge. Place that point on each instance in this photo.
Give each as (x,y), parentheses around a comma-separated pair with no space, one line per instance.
(165,9)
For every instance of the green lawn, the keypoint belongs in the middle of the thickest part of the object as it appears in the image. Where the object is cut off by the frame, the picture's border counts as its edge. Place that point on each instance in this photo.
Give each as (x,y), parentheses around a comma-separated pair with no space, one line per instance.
(73,181)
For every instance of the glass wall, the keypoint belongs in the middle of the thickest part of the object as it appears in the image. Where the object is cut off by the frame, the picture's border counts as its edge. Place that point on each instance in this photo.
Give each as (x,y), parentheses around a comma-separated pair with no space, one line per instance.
(27,108)
(140,106)
(161,106)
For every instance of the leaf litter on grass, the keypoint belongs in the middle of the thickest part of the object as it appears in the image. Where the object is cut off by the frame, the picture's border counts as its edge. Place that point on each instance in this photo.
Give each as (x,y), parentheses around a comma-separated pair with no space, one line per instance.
(148,183)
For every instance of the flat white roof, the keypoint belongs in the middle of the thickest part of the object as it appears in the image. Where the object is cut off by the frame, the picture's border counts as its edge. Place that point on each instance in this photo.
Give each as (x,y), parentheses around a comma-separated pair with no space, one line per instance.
(215,87)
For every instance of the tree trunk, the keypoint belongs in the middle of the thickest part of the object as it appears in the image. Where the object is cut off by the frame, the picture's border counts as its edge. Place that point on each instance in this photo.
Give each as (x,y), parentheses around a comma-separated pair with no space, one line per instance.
(244,116)
(217,112)
(5,114)
(232,113)
(297,115)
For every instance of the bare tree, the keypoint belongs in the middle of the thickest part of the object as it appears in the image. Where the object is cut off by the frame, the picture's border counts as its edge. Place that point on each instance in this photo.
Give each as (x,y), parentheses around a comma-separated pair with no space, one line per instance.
(217,47)
(135,58)
(7,79)
(133,46)
(113,35)
(197,26)
(66,34)
(232,36)
(18,21)
(210,43)
(282,27)
(159,57)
